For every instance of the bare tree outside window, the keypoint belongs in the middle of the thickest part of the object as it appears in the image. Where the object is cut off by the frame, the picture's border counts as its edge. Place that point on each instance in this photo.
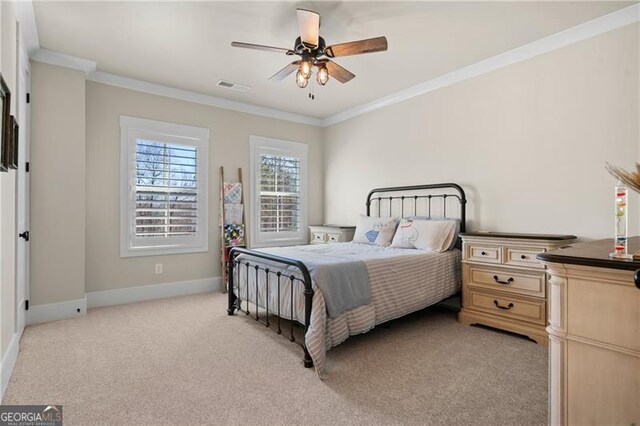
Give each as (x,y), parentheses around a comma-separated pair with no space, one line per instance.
(166,189)
(279,193)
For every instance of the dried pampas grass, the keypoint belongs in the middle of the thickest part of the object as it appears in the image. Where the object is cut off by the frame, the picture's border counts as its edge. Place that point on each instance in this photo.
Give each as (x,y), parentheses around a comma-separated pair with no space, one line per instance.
(631,179)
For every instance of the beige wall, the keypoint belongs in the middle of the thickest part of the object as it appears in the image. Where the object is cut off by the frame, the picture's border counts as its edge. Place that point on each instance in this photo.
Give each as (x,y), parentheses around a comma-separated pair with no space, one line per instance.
(229,147)
(527,142)
(57,184)
(7,188)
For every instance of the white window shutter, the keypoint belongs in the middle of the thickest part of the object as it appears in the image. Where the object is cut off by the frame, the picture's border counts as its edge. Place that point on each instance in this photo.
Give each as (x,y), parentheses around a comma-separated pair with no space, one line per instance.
(279,193)
(278,210)
(166,189)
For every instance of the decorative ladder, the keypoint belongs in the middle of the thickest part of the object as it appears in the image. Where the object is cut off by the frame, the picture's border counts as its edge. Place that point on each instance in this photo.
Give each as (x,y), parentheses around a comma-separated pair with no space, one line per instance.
(231,234)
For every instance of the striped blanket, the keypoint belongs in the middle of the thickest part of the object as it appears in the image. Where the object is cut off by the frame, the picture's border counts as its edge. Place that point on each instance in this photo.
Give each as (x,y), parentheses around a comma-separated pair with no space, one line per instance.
(401,281)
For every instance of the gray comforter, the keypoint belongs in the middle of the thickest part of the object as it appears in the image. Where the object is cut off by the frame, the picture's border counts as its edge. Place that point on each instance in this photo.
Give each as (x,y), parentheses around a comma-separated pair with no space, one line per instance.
(344,281)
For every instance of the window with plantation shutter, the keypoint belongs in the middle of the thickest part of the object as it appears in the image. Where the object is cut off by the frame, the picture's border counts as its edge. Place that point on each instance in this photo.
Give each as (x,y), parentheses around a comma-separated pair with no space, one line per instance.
(278,202)
(164,188)
(279,193)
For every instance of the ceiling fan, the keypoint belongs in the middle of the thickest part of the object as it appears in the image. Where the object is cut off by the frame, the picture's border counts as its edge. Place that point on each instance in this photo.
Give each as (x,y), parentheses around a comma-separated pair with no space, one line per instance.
(313,52)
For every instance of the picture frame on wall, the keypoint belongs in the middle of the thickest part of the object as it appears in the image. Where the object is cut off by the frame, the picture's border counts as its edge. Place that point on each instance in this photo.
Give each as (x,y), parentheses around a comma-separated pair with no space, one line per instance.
(5,105)
(13,143)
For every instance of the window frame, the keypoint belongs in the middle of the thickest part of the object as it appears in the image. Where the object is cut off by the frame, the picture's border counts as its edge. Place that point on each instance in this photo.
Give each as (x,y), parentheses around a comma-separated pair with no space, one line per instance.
(264,145)
(133,128)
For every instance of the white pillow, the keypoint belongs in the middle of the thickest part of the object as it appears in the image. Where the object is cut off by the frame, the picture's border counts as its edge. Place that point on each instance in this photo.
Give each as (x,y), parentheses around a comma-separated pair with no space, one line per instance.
(375,230)
(457,222)
(406,234)
(430,235)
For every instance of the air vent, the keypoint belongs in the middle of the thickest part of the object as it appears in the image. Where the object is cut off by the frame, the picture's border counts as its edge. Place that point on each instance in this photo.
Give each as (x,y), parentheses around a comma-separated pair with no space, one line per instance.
(233,86)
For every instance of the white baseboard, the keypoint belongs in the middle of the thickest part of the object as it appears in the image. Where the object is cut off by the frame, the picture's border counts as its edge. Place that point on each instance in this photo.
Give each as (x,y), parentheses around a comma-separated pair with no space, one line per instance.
(22,319)
(149,292)
(74,308)
(8,362)
(57,311)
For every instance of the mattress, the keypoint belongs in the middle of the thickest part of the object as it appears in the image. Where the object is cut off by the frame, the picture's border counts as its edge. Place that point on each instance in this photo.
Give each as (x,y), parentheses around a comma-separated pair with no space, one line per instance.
(401,281)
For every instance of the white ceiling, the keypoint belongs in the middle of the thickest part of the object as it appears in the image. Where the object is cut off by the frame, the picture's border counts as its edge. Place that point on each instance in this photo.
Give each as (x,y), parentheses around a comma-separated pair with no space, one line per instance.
(187,44)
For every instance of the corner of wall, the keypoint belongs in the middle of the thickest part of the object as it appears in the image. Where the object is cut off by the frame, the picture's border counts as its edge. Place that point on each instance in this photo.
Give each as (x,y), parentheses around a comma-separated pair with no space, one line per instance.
(58,143)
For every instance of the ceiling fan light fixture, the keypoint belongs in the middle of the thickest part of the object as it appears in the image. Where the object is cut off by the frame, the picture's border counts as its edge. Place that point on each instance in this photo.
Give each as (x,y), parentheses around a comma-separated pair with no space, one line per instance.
(314,52)
(322,76)
(301,81)
(305,69)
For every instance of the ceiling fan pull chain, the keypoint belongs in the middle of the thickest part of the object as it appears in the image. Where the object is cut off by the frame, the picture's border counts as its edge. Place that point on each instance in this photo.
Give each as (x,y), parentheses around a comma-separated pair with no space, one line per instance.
(312,91)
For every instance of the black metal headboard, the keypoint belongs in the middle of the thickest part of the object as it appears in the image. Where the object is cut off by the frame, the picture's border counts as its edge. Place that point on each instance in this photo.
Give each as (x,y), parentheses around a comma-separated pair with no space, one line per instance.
(420,200)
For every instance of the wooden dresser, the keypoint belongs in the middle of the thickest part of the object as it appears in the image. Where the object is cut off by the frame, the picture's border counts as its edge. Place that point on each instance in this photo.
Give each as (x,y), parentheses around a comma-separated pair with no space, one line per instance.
(322,234)
(594,332)
(503,284)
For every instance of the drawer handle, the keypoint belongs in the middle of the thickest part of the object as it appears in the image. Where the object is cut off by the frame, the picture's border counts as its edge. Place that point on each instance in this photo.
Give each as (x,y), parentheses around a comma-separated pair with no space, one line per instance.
(499,281)
(483,253)
(523,257)
(509,306)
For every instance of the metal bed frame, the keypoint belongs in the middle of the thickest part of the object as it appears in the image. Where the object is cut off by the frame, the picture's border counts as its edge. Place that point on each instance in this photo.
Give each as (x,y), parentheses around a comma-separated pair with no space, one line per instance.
(449,191)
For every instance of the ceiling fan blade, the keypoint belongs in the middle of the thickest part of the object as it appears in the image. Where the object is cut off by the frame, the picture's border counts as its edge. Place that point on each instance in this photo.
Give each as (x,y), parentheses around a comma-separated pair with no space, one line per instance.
(309,26)
(370,45)
(341,74)
(261,47)
(284,72)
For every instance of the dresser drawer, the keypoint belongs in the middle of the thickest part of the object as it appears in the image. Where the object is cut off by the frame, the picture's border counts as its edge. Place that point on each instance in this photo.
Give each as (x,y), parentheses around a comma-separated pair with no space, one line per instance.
(509,306)
(335,238)
(318,237)
(484,253)
(519,282)
(522,256)
(604,310)
(323,234)
(503,283)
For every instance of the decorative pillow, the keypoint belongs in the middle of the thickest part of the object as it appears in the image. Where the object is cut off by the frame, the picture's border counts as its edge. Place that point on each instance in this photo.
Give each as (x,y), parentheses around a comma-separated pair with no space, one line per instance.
(375,230)
(430,235)
(406,234)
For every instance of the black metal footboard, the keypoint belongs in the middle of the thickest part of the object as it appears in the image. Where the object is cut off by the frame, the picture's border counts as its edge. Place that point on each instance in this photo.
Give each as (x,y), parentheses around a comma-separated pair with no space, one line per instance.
(442,200)
(275,279)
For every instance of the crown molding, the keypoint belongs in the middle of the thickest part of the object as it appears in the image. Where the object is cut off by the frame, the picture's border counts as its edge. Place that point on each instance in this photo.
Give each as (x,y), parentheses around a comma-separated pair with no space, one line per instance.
(199,98)
(597,26)
(89,68)
(26,17)
(28,29)
(60,59)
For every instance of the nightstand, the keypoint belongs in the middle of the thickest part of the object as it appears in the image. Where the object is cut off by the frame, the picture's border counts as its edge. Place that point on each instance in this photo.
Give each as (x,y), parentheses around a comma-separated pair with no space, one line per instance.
(322,234)
(503,284)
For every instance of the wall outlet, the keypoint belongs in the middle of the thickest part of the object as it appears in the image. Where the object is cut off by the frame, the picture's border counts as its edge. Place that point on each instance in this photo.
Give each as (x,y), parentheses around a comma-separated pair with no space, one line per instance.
(158,268)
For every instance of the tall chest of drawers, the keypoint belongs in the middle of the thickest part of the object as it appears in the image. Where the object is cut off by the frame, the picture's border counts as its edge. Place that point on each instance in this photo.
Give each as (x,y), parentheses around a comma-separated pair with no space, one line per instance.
(594,335)
(503,284)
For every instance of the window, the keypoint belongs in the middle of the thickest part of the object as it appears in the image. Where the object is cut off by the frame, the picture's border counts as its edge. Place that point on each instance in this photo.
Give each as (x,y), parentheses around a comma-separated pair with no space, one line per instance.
(278,192)
(164,188)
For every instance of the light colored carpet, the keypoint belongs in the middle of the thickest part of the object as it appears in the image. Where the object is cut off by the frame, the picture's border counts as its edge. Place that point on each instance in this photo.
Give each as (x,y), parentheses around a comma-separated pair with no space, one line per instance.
(184,361)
